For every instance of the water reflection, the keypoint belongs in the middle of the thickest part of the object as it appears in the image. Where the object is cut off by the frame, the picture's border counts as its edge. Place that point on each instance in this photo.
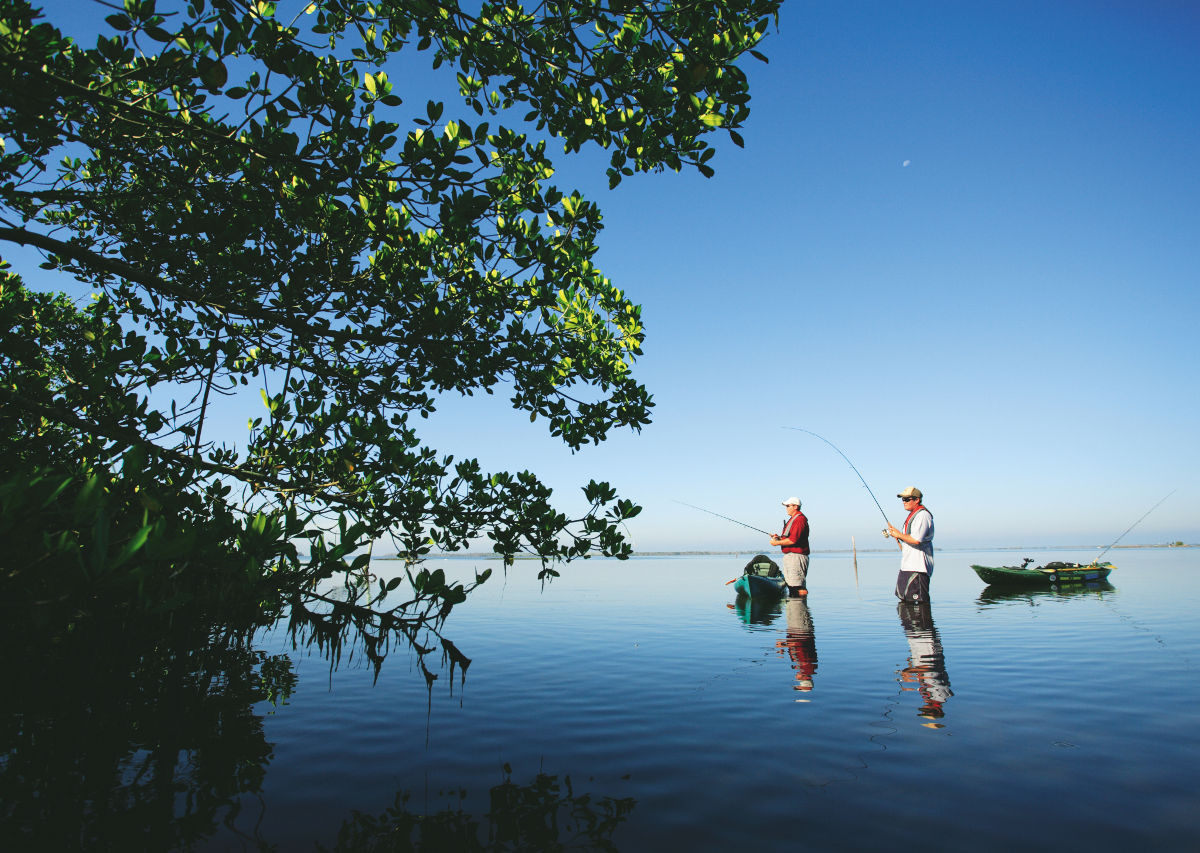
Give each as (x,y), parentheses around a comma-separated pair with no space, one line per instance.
(800,643)
(993,594)
(542,815)
(926,670)
(762,610)
(129,735)
(142,735)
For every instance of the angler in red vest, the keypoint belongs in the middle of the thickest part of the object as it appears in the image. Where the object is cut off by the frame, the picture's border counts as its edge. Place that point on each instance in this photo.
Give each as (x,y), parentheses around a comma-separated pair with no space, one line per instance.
(916,548)
(793,541)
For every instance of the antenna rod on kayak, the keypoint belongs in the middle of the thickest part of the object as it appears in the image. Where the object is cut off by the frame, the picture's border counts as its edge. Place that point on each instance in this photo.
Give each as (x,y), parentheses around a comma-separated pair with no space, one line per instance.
(727,518)
(1135,524)
(851,464)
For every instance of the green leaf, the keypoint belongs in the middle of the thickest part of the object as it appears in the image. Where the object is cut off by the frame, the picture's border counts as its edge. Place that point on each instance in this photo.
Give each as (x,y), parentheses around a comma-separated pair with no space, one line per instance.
(213,73)
(134,545)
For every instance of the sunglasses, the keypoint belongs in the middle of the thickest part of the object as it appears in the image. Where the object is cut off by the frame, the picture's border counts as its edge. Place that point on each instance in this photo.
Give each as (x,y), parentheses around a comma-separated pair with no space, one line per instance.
(906,500)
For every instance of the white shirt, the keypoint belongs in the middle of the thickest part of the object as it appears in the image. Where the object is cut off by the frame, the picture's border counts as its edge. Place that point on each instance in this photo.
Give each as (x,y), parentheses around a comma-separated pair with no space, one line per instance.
(918,558)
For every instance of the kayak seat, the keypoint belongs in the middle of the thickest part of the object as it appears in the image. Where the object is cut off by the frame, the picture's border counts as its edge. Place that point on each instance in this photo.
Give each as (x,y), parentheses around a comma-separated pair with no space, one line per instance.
(763,566)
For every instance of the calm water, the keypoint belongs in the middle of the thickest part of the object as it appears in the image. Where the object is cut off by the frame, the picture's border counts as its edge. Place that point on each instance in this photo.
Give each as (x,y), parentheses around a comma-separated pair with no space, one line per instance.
(635,703)
(1039,719)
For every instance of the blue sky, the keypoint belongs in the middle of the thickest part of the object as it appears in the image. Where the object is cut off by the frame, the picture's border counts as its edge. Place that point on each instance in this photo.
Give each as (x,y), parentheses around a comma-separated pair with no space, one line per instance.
(962,243)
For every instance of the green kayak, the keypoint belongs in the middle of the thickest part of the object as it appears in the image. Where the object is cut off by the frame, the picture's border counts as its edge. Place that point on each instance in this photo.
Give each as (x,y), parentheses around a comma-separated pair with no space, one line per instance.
(1053,574)
(757,586)
(761,578)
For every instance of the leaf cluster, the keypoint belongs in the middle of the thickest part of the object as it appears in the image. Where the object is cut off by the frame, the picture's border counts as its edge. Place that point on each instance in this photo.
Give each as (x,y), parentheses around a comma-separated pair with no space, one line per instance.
(257,206)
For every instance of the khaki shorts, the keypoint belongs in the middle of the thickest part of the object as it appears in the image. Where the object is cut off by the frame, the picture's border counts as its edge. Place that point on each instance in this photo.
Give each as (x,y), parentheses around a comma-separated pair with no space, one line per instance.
(795,569)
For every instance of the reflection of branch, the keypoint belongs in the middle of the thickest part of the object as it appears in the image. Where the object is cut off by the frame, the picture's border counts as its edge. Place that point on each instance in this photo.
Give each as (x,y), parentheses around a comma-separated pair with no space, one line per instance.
(146,726)
(540,815)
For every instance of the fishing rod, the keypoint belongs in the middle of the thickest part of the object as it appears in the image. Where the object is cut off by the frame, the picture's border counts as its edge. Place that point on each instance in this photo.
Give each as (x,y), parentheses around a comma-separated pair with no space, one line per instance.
(851,464)
(1135,524)
(727,518)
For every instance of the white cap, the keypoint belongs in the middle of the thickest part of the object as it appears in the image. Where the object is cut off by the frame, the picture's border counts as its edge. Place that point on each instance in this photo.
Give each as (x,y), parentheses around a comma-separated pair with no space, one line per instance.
(792,501)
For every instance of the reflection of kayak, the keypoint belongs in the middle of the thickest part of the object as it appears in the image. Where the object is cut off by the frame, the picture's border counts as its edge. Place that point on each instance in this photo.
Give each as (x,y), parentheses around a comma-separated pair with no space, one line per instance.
(762,610)
(761,578)
(1052,574)
(758,586)
(997,593)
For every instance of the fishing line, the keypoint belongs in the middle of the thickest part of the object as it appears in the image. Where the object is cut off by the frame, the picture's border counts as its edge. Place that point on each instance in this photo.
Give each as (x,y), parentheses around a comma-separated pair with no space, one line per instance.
(851,464)
(1135,524)
(727,518)
(629,533)
(1128,619)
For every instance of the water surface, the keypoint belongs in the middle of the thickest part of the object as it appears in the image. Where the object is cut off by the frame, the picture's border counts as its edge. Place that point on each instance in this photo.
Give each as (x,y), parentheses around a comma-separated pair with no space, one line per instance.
(1043,719)
(638,706)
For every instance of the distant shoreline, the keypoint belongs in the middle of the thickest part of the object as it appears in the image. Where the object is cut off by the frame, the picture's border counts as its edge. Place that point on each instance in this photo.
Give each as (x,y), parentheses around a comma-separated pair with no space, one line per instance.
(936,550)
(468,555)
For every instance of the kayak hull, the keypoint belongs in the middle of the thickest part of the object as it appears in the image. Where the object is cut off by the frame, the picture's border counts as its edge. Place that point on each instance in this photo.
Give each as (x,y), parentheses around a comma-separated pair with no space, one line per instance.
(1051,575)
(757,586)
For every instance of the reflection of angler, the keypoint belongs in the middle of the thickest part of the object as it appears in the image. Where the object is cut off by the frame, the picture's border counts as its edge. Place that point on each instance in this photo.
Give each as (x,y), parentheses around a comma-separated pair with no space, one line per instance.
(926,662)
(801,643)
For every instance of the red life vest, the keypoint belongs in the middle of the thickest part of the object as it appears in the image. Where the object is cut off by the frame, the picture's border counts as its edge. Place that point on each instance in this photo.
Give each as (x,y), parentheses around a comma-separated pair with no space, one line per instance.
(800,545)
(908,520)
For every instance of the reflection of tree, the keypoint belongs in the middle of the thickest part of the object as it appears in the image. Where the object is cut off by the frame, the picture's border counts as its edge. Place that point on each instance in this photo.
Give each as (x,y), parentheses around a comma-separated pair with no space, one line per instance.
(800,644)
(124,735)
(926,670)
(141,735)
(538,816)
(130,726)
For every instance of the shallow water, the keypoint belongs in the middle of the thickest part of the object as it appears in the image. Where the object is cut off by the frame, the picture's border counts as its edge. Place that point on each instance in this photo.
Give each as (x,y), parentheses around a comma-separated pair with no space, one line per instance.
(638,706)
(1048,720)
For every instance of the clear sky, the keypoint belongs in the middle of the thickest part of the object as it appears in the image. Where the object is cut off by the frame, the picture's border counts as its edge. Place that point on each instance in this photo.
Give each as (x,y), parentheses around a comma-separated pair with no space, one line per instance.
(962,243)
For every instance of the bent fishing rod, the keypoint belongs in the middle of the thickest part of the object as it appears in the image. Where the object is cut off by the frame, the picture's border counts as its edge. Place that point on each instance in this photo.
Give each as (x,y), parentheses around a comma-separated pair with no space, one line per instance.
(727,518)
(1135,524)
(852,468)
